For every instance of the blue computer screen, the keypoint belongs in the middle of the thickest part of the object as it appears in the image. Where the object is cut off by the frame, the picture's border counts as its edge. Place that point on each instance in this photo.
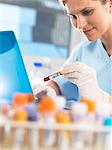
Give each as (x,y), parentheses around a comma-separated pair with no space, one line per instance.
(13,76)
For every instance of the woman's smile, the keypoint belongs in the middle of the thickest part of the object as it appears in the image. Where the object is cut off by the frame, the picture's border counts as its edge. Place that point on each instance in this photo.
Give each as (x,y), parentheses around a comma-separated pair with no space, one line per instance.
(89,31)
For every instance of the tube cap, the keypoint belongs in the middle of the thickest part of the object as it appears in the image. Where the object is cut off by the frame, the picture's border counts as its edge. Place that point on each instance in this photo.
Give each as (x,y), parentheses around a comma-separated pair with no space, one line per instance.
(108,121)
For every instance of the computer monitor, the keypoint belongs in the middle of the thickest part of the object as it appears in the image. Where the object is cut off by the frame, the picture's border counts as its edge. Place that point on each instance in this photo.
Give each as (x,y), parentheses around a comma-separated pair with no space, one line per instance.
(13,75)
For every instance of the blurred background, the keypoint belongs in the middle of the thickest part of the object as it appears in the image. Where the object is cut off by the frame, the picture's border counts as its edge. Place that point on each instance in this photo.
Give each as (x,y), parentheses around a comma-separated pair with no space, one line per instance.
(42,29)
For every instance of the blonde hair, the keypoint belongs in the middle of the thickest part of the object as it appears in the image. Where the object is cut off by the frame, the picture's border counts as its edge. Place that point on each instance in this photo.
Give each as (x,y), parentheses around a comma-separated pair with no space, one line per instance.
(63,2)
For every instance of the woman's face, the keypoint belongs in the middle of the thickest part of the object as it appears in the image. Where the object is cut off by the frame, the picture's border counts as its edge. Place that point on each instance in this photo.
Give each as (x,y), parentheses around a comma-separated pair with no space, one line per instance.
(89,16)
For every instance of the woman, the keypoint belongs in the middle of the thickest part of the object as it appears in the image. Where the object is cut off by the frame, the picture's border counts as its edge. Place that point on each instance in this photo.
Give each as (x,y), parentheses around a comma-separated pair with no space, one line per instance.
(93,18)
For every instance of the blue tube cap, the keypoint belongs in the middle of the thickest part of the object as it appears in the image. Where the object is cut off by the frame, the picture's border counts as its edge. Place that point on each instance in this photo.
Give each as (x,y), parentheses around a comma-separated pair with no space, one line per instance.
(38,64)
(108,121)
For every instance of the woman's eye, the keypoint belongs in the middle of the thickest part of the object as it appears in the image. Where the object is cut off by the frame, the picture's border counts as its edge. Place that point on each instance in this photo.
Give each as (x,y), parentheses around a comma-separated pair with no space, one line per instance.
(88,12)
(74,16)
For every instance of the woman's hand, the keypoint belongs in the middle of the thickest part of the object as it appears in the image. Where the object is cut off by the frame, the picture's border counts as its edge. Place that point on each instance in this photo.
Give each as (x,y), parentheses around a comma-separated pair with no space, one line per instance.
(85,78)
